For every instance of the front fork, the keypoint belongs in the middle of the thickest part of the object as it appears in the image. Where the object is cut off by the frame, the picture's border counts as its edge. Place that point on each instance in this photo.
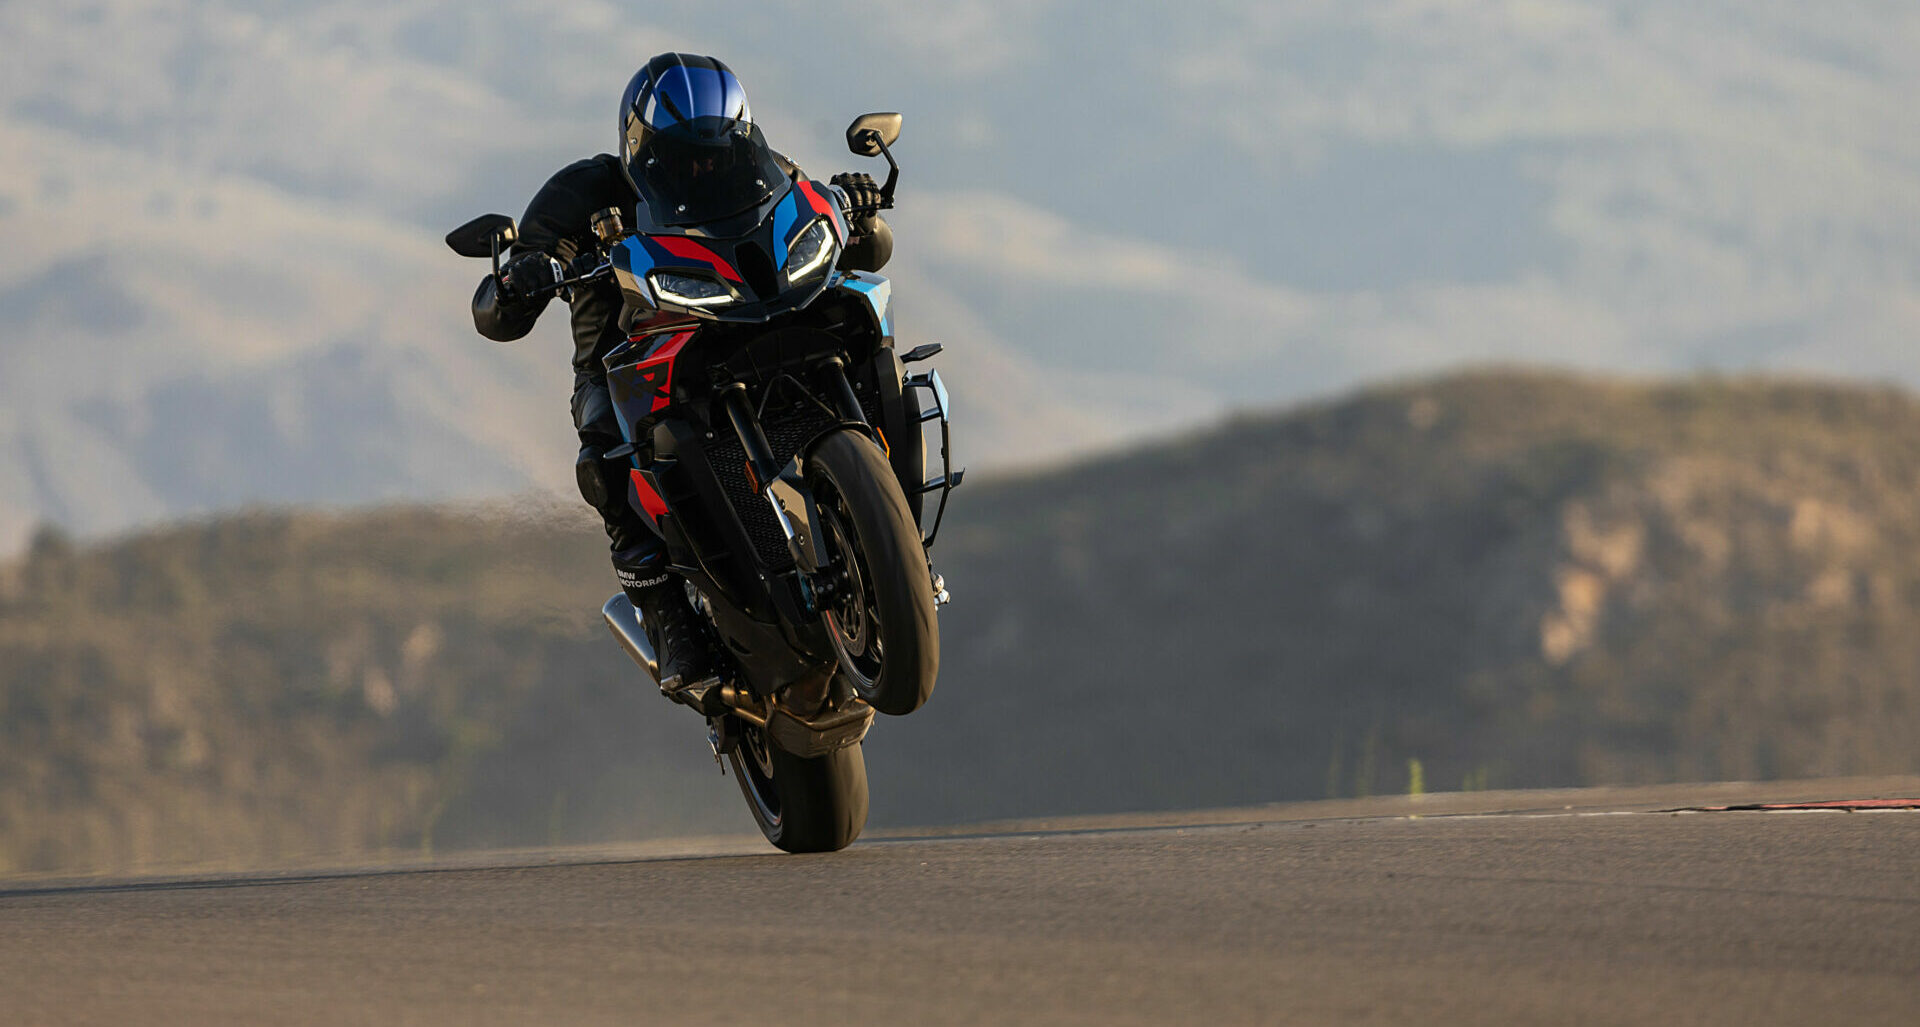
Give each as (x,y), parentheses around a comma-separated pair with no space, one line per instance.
(783,489)
(765,475)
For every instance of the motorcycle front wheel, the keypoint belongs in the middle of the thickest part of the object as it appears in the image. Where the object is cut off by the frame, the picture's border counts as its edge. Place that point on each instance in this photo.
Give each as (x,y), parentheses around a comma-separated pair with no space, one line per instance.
(801,805)
(880,614)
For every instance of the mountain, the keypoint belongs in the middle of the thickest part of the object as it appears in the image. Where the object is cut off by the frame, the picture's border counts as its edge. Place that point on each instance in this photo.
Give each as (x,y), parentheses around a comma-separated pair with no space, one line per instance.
(1514,578)
(224,283)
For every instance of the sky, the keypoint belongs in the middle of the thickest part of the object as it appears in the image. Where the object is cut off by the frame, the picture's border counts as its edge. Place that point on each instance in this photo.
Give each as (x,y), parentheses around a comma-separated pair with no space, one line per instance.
(224,282)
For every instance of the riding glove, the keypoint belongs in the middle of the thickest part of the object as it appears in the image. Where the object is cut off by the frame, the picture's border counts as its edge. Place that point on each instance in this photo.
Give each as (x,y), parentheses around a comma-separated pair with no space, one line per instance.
(862,194)
(528,276)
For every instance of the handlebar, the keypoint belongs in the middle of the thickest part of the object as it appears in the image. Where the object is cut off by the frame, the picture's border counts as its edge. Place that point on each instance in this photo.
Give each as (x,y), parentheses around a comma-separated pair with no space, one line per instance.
(562,282)
(563,287)
(599,274)
(604,270)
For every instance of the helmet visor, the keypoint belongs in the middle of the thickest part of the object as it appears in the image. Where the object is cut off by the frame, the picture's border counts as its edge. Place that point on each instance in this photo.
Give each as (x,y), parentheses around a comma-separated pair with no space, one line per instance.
(687,179)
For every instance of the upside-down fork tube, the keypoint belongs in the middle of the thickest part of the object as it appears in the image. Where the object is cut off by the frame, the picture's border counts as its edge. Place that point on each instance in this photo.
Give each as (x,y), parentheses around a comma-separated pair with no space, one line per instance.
(753,441)
(843,392)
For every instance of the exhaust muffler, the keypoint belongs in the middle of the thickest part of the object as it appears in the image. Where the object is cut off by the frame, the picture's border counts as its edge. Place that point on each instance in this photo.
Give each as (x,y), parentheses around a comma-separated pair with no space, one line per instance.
(624,621)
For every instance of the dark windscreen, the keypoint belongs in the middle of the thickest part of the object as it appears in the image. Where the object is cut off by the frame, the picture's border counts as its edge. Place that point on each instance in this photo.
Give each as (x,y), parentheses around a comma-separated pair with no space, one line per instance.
(690,180)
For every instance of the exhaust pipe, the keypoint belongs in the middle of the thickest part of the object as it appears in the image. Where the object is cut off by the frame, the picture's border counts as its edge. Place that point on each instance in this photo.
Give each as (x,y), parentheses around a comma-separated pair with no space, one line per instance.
(627,626)
(624,621)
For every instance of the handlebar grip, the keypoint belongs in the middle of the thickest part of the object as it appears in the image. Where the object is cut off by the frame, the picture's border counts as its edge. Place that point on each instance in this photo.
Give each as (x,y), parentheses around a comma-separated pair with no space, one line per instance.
(846,205)
(557,275)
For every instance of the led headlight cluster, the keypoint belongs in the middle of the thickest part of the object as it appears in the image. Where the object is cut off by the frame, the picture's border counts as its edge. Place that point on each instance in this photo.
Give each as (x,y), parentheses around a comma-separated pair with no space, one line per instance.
(810,252)
(690,290)
(809,255)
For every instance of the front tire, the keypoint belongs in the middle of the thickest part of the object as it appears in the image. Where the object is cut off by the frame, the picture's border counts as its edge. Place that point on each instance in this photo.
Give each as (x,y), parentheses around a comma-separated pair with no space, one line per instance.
(881,615)
(801,805)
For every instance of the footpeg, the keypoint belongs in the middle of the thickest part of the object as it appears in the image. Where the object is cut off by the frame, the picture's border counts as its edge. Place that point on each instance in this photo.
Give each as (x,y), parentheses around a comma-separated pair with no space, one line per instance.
(702,695)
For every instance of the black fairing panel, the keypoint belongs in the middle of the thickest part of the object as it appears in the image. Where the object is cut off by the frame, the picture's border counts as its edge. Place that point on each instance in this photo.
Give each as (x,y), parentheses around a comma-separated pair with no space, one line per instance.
(711,534)
(709,547)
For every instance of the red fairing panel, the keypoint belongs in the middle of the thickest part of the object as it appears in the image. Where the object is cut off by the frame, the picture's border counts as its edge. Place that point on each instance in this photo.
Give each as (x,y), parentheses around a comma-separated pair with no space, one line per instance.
(656,371)
(822,203)
(687,249)
(650,499)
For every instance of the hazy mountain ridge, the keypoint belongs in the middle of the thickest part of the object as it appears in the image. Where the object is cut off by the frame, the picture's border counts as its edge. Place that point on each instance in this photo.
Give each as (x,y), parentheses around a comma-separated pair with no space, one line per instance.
(1514,578)
(1524,579)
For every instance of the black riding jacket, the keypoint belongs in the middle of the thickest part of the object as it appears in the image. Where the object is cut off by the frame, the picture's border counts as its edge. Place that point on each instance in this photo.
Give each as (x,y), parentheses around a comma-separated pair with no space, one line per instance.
(557,222)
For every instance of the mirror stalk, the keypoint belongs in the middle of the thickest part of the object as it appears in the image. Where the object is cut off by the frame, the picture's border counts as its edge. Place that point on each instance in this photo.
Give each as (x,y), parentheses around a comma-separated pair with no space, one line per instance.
(893,169)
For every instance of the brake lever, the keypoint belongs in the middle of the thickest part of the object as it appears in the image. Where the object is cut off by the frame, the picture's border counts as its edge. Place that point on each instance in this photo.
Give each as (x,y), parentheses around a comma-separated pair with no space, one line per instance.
(600,273)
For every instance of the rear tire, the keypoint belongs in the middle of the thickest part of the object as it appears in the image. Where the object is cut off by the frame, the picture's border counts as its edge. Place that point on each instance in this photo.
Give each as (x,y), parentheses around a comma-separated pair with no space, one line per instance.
(801,805)
(882,620)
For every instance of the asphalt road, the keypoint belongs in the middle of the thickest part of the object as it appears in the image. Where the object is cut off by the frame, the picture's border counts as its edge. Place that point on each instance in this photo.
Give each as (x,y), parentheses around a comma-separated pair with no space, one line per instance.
(1457,909)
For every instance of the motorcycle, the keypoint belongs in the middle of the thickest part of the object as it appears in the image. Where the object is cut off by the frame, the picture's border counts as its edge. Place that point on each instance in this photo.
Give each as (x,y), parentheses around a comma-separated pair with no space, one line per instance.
(777,443)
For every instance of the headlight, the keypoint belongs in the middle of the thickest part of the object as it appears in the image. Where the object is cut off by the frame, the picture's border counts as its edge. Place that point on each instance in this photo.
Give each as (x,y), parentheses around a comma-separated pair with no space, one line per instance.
(690,290)
(810,252)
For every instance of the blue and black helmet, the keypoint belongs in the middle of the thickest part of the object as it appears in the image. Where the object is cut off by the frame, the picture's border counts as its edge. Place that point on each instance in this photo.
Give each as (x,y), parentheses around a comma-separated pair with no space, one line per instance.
(688,142)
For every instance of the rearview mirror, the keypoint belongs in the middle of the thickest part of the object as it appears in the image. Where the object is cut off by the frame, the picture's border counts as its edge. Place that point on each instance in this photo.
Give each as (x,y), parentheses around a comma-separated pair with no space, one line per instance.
(870,133)
(484,236)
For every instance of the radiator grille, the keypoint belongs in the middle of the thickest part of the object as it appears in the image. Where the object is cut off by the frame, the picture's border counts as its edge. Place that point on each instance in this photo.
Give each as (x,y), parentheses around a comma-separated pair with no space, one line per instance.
(786,430)
(785,434)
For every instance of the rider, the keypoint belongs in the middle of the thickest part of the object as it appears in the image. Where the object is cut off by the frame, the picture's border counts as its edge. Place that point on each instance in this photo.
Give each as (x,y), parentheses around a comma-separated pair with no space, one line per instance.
(688,144)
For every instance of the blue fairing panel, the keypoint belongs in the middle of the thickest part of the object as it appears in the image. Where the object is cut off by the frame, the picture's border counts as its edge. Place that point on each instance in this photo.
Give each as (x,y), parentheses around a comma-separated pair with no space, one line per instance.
(631,262)
(878,292)
(783,218)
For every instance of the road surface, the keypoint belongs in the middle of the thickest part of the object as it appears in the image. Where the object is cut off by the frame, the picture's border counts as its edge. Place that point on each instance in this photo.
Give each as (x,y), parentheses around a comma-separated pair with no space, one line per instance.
(1568,907)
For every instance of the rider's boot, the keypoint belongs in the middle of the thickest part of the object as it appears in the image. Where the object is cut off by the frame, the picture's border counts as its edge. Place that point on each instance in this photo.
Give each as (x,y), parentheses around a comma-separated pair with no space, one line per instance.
(679,639)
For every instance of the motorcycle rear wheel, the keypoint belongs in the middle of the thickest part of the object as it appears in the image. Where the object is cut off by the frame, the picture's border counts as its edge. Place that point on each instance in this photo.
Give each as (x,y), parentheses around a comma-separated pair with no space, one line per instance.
(881,617)
(801,805)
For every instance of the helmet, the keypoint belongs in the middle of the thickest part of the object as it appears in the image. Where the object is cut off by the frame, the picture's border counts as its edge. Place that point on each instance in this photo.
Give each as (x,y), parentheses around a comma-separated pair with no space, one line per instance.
(688,142)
